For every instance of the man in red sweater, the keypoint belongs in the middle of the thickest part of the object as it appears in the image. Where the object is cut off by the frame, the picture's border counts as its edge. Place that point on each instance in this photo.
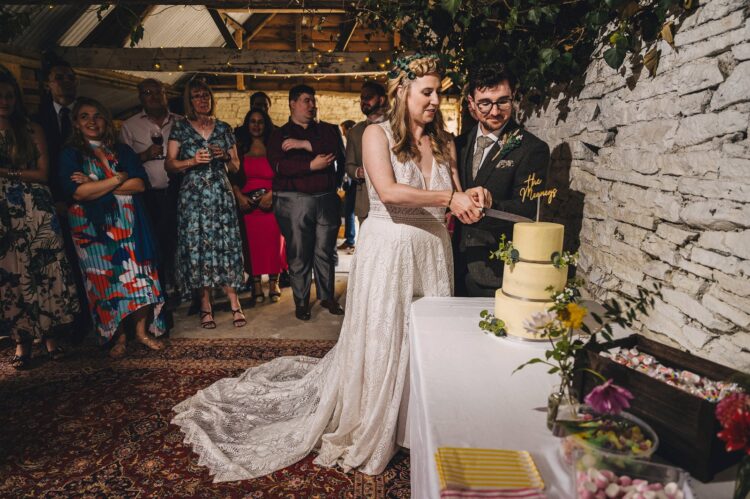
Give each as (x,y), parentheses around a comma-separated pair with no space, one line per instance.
(308,159)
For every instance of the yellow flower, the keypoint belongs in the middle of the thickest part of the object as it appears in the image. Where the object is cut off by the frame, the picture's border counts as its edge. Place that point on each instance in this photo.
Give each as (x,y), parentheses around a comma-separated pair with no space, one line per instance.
(572,316)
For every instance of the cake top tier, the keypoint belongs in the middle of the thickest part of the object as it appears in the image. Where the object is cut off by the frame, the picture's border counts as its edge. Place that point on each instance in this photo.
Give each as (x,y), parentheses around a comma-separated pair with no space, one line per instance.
(536,241)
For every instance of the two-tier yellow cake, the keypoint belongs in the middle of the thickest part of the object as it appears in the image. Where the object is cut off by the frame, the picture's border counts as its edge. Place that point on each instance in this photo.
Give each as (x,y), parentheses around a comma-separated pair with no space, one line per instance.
(525,283)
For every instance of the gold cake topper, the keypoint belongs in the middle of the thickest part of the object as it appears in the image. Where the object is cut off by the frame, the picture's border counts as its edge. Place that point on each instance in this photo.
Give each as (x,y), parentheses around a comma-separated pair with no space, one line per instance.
(527,192)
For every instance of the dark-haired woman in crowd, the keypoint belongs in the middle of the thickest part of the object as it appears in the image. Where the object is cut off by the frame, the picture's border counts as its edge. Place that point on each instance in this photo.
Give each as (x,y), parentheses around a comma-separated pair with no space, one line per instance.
(104,179)
(37,293)
(262,233)
(209,248)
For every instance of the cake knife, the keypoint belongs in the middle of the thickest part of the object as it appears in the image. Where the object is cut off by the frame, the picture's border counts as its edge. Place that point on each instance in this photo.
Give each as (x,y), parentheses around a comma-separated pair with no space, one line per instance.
(504,215)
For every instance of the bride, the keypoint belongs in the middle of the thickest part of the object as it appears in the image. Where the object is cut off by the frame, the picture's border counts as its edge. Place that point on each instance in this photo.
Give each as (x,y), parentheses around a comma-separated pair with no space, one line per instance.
(346,405)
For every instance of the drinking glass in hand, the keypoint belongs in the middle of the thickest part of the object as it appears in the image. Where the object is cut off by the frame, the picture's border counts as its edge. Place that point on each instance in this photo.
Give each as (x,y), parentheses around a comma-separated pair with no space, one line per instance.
(158,139)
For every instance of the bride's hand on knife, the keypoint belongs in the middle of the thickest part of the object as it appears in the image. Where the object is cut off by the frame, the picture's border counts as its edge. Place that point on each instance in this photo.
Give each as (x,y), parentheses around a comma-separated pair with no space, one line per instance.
(481,196)
(465,208)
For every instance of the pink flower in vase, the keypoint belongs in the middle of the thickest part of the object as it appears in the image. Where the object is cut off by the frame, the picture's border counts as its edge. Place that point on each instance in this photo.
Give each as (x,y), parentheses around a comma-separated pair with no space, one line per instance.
(609,398)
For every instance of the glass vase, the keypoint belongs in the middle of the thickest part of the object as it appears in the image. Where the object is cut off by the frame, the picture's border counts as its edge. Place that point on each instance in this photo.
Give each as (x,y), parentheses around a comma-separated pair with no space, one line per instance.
(742,482)
(562,397)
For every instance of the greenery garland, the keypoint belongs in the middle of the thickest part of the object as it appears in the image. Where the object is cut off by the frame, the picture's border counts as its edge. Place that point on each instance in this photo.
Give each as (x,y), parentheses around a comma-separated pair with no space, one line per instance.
(544,42)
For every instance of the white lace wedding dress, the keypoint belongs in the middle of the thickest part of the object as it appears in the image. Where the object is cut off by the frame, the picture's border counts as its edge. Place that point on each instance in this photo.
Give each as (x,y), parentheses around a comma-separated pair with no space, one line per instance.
(345,405)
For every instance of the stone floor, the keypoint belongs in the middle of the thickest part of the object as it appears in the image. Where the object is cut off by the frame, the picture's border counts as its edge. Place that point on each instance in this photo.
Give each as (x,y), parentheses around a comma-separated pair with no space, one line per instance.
(269,320)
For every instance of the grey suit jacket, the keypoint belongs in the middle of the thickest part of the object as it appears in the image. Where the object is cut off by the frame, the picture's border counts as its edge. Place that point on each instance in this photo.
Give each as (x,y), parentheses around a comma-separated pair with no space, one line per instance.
(354,161)
(503,175)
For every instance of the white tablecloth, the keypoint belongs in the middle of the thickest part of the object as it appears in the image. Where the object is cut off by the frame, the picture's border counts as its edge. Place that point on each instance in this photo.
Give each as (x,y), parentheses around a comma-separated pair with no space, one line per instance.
(463,393)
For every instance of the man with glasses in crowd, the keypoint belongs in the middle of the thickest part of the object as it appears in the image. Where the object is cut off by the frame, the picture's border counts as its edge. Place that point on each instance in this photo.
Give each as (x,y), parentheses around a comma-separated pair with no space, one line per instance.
(498,155)
(147,133)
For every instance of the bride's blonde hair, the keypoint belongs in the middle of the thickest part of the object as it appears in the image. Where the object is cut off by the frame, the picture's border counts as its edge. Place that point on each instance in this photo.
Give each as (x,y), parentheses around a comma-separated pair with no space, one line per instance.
(404,72)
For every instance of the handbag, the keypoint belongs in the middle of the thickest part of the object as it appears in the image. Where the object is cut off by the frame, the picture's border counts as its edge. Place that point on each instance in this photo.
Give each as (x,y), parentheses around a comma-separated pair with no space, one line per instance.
(254,196)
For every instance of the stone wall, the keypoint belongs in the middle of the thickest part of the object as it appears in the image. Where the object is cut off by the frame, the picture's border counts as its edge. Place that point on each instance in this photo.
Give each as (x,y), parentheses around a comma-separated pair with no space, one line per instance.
(655,182)
(333,107)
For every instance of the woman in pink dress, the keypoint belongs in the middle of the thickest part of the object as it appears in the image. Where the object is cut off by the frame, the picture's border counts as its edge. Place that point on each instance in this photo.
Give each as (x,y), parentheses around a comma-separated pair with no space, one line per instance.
(252,189)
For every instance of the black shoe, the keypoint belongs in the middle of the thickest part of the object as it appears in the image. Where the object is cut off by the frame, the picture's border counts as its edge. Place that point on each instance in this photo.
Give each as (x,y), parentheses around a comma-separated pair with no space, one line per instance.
(332,307)
(302,313)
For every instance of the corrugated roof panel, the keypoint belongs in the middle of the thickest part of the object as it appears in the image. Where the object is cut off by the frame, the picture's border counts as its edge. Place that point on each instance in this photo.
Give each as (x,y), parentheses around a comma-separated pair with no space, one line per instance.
(43,21)
(183,26)
(82,27)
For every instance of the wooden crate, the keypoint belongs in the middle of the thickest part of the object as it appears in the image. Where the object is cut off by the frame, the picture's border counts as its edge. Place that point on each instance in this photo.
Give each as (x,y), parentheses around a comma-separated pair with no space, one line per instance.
(686,424)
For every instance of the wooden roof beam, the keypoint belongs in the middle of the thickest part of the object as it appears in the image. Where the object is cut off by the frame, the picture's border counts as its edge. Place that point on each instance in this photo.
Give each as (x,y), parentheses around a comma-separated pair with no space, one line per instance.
(219,60)
(222,27)
(254,25)
(346,30)
(321,6)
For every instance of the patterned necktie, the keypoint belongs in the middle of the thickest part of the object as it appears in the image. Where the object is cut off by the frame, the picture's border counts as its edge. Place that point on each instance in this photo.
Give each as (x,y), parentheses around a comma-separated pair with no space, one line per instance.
(482,144)
(65,124)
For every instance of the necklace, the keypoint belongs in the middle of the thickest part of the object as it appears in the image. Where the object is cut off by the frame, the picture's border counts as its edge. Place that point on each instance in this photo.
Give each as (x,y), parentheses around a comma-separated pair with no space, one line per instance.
(205,126)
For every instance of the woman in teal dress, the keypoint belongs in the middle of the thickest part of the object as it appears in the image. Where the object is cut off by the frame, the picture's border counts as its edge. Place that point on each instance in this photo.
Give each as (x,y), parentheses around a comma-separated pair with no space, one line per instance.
(209,248)
(115,248)
(37,293)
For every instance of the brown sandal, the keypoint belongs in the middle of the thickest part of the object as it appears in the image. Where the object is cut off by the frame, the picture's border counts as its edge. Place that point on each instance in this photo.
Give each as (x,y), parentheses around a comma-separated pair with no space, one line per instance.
(149,342)
(209,324)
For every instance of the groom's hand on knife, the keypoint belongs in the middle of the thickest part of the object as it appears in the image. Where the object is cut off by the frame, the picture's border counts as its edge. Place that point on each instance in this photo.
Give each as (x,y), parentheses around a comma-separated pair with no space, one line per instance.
(465,208)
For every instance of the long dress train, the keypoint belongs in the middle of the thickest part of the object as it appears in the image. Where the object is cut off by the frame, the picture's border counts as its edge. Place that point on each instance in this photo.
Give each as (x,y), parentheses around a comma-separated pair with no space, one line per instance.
(345,405)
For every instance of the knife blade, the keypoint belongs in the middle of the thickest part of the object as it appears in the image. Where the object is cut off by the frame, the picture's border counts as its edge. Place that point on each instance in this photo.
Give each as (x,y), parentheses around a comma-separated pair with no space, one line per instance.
(504,215)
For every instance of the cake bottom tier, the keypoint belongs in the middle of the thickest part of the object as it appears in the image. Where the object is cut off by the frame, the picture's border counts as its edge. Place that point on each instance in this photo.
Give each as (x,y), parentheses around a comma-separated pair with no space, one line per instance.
(514,312)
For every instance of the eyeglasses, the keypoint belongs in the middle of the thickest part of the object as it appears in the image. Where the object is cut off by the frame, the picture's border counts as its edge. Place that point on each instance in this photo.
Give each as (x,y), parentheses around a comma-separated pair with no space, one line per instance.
(485,106)
(154,92)
(201,96)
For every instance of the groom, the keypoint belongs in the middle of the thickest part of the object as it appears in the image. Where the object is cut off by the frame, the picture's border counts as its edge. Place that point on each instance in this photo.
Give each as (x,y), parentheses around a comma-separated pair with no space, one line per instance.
(499,155)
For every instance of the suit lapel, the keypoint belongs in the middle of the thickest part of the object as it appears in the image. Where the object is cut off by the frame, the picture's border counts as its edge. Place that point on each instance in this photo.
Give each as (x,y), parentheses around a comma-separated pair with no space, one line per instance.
(466,156)
(493,157)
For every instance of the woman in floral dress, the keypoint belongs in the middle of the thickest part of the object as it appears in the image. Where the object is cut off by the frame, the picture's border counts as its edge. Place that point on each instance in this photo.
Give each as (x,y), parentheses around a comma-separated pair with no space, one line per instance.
(209,248)
(110,228)
(37,293)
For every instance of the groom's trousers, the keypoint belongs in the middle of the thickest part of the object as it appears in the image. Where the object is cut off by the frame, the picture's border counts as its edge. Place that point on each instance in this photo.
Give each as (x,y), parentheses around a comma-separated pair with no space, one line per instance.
(310,224)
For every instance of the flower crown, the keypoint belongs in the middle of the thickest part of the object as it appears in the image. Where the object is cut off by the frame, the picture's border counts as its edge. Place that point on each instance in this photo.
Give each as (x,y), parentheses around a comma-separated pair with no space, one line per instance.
(402,65)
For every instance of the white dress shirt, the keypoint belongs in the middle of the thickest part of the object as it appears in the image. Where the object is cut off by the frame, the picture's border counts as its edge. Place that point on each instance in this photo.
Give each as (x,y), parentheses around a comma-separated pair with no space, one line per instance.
(136,132)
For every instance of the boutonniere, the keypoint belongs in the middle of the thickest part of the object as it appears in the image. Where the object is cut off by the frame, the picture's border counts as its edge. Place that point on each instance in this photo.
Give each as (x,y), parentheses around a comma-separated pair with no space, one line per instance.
(510,142)
(504,163)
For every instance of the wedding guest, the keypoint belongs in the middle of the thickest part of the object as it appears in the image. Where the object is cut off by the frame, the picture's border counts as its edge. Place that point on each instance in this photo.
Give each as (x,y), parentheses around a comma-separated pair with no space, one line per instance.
(374,104)
(350,193)
(496,138)
(36,288)
(304,155)
(253,190)
(147,133)
(103,180)
(260,100)
(209,248)
(54,116)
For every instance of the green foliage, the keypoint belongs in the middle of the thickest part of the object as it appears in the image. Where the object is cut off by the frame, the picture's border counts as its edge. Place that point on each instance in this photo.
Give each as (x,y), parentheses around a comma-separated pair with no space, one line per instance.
(492,324)
(544,42)
(505,252)
(12,24)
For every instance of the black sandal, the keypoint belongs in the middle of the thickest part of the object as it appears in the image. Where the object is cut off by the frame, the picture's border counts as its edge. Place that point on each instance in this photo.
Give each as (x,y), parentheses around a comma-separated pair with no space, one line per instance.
(207,324)
(21,362)
(239,322)
(56,353)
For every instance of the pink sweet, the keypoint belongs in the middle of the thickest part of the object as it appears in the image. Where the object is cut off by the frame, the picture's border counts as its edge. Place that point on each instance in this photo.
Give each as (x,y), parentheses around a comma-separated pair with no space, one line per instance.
(625,480)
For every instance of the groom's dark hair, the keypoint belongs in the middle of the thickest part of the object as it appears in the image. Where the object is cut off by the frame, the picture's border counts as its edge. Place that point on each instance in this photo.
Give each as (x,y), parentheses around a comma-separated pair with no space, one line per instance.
(488,75)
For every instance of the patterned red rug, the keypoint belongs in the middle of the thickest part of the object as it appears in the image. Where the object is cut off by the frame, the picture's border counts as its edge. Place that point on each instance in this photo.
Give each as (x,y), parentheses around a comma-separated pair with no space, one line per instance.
(91,427)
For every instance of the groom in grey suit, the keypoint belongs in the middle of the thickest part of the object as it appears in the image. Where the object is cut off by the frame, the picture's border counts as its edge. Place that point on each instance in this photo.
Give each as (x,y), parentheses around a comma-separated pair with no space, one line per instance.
(498,155)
